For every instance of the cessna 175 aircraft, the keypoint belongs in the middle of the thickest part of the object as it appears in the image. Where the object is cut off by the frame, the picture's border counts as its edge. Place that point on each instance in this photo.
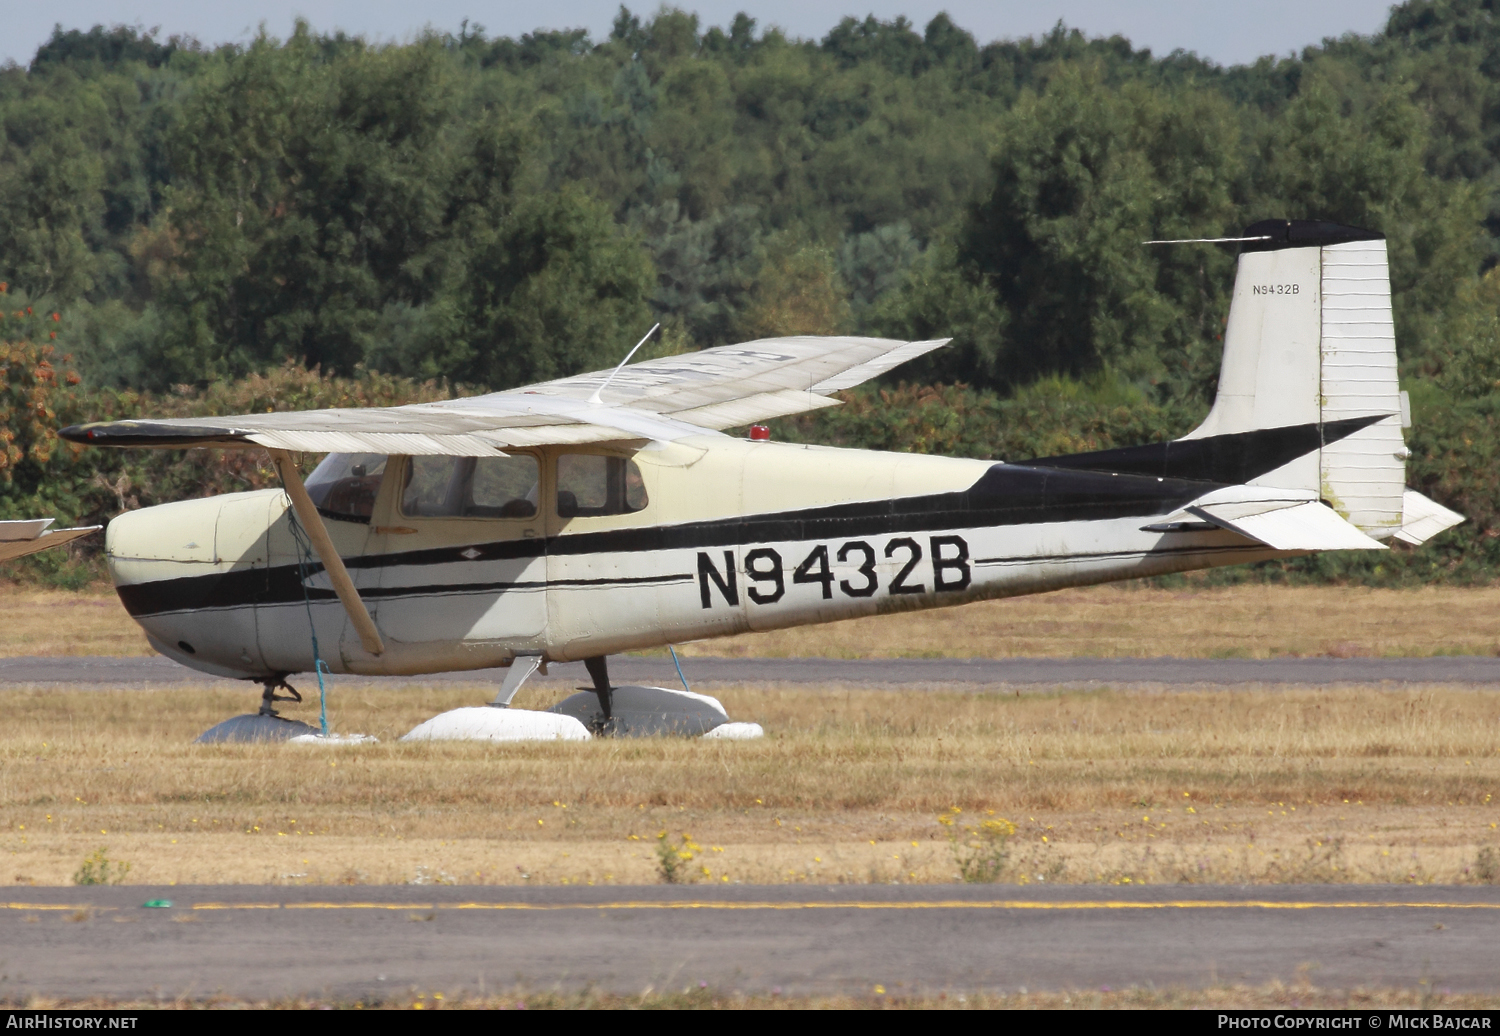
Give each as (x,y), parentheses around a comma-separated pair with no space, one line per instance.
(608,512)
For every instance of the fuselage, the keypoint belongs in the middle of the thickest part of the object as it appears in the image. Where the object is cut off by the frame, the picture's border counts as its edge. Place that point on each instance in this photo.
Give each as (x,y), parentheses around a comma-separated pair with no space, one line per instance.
(712,537)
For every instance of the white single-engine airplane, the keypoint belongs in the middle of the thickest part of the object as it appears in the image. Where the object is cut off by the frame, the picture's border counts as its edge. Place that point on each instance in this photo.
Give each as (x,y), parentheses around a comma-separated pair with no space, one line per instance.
(607,512)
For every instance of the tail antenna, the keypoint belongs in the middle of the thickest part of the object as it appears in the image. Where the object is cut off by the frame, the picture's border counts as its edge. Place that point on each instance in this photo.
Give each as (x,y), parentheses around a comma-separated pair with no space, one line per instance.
(598,396)
(1207,240)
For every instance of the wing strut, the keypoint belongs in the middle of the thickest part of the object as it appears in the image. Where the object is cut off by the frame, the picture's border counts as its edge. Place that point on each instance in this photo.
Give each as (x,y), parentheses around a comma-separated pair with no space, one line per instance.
(312,521)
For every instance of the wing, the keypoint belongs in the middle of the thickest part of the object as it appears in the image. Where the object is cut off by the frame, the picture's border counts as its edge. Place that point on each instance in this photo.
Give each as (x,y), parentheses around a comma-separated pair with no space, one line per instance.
(664,399)
(19,538)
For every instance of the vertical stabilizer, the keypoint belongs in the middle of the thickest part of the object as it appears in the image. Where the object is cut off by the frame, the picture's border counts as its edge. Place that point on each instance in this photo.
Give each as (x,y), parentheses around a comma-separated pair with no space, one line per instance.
(1310,342)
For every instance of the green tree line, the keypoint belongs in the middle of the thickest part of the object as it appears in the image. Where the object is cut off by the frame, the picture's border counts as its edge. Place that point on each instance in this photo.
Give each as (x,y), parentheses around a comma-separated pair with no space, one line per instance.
(473,210)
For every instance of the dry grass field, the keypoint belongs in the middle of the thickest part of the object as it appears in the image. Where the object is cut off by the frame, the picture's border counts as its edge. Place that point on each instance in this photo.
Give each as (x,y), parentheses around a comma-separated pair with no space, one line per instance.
(1111,621)
(1342,784)
(59,622)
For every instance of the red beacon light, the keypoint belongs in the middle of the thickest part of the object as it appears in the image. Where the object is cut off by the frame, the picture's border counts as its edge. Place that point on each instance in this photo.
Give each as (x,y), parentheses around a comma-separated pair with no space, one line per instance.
(760,433)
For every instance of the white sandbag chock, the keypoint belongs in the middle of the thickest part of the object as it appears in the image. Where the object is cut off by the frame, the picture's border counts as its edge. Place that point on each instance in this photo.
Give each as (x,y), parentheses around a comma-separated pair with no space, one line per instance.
(316,738)
(489,723)
(736,732)
(647,712)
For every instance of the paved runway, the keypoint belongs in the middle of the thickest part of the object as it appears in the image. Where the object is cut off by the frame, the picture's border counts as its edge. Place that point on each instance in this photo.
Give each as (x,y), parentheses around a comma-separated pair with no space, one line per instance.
(865,672)
(346,943)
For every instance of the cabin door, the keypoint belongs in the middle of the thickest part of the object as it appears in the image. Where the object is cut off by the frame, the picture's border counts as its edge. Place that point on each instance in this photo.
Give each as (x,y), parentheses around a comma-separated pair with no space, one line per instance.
(460,555)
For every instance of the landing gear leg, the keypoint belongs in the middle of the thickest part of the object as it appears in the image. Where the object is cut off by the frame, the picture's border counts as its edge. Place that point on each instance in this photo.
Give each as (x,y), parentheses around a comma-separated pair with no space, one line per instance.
(598,668)
(269,697)
(521,668)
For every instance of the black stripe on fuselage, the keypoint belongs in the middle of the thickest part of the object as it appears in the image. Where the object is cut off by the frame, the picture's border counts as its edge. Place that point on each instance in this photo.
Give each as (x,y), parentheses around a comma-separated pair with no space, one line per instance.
(1004,495)
(432,589)
(1232,459)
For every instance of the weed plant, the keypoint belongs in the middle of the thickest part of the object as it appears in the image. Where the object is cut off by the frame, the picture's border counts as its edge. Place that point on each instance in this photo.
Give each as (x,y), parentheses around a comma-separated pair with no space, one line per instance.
(979,849)
(99,869)
(672,858)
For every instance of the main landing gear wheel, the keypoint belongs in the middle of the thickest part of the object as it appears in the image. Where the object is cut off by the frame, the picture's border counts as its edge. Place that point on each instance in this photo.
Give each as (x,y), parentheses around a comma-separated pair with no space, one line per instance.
(264,725)
(634,711)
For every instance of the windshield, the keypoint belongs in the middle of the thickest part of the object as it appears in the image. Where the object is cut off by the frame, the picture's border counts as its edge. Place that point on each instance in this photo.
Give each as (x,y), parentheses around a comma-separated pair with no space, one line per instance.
(345,485)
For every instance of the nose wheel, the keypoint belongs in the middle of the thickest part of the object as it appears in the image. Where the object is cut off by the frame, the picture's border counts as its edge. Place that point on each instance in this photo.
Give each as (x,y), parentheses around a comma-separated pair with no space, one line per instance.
(264,725)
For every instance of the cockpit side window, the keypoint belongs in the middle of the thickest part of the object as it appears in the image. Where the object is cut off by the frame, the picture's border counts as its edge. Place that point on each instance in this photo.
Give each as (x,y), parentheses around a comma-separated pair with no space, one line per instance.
(471,487)
(344,486)
(590,485)
(504,487)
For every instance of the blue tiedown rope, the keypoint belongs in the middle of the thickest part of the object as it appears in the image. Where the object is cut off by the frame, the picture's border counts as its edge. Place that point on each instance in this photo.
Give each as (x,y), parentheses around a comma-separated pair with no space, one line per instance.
(304,562)
(678,664)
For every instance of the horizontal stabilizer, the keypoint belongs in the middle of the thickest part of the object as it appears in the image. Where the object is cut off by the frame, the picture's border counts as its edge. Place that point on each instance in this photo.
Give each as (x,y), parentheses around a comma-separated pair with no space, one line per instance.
(1422,519)
(1281,525)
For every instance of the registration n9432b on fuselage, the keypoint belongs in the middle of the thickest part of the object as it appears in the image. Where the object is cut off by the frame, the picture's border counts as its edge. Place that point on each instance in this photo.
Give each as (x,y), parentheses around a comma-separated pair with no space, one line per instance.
(610,511)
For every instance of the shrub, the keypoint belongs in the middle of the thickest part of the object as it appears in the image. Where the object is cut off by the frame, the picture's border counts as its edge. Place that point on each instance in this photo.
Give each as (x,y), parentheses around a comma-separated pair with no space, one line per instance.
(99,869)
(980,849)
(672,857)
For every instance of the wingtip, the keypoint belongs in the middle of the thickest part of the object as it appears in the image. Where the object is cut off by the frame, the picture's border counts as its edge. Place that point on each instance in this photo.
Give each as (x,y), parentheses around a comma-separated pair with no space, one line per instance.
(154,434)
